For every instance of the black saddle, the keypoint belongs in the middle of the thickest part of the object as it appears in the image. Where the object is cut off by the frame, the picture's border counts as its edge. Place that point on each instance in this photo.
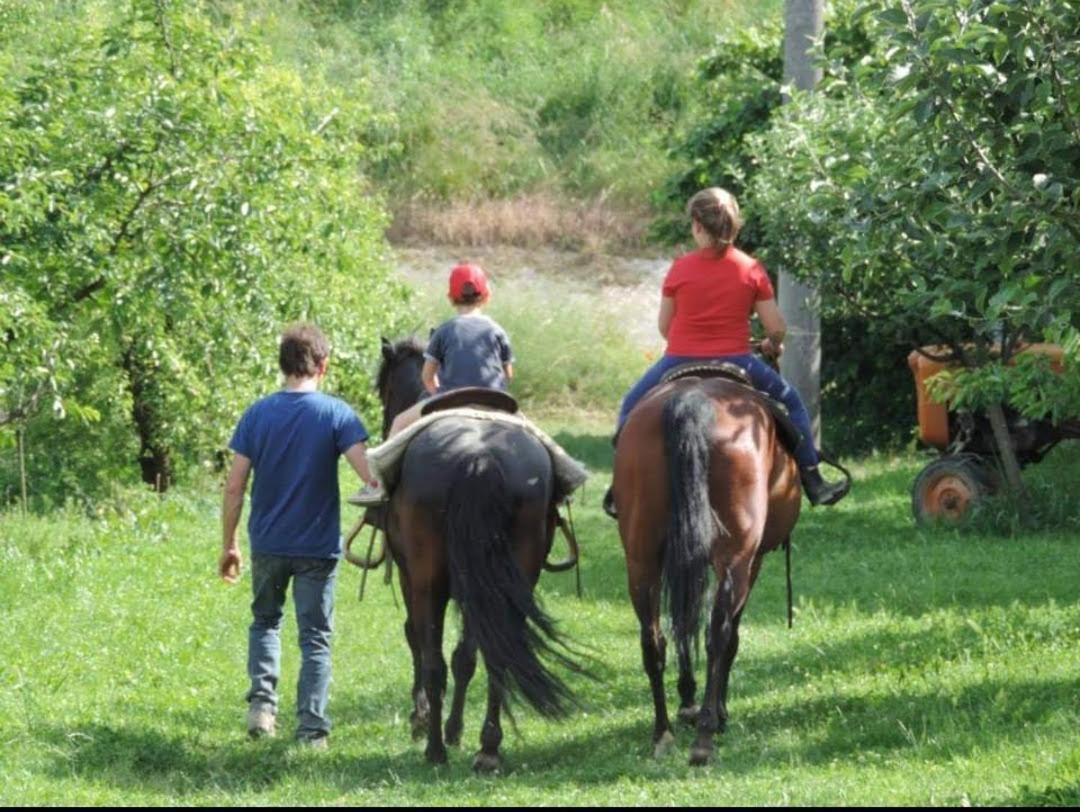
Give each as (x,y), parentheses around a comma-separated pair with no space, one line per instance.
(707,369)
(789,435)
(474,396)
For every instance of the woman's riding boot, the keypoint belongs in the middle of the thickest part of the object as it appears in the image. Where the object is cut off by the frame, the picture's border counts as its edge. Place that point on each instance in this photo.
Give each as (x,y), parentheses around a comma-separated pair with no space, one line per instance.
(609,503)
(820,492)
(609,495)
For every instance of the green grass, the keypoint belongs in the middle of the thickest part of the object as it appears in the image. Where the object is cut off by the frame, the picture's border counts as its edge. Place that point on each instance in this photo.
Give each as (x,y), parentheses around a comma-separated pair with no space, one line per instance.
(925,667)
(493,98)
(568,356)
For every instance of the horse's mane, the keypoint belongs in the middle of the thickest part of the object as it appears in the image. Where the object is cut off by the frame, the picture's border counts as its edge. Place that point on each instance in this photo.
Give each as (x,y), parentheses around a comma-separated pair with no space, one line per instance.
(395,351)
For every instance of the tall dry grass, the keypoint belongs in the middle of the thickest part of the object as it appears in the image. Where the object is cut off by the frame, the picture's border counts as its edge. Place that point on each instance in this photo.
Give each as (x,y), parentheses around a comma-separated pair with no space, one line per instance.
(528,220)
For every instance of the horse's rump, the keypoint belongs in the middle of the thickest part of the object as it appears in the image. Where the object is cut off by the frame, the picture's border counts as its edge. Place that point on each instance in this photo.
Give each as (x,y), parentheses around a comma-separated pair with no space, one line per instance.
(434,455)
(701,476)
(487,489)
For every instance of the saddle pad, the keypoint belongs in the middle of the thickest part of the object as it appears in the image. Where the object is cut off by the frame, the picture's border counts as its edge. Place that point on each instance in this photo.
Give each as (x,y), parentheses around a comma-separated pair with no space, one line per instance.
(385,460)
(478,396)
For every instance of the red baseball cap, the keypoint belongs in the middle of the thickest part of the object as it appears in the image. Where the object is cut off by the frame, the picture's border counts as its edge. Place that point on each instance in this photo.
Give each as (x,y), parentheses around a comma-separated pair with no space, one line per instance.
(468,274)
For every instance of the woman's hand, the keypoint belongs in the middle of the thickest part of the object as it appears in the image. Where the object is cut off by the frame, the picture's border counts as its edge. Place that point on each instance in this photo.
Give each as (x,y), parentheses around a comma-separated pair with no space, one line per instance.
(771,349)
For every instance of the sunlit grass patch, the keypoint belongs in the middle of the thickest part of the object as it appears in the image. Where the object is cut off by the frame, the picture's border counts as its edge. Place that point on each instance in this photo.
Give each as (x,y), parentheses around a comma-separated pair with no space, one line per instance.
(925,666)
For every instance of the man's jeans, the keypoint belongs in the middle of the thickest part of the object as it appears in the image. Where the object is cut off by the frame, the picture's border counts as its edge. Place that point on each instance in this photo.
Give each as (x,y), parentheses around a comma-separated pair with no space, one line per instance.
(762,376)
(313,594)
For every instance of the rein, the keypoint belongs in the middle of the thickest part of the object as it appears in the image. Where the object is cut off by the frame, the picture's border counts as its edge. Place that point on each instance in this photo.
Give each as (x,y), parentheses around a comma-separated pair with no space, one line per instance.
(787,561)
(573,559)
(367,562)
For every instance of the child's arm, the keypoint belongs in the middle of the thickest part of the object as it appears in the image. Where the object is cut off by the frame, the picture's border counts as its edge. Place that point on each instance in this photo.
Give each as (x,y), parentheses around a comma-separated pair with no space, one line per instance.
(357,457)
(429,377)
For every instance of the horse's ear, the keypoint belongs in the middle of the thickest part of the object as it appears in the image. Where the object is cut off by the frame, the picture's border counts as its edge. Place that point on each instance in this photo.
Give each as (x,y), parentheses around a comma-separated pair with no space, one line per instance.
(430,332)
(387,348)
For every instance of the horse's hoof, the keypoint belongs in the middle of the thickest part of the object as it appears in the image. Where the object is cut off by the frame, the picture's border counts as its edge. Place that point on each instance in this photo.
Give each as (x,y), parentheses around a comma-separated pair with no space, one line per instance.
(419,725)
(487,763)
(663,745)
(435,755)
(689,714)
(700,756)
(452,735)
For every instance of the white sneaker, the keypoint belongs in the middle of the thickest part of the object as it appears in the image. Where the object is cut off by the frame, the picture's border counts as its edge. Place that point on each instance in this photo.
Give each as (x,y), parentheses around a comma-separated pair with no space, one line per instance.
(313,742)
(368,496)
(261,721)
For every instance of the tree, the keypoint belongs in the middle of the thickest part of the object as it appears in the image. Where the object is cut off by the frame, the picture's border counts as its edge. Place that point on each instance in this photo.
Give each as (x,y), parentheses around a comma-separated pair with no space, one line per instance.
(167,201)
(943,197)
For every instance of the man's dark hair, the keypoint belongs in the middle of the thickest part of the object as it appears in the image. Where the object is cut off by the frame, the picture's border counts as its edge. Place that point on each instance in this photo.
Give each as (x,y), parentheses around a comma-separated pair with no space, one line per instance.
(303,349)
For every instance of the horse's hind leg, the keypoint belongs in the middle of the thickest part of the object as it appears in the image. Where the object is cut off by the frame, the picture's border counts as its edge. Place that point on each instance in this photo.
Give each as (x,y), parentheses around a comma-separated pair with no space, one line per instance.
(725,672)
(733,645)
(688,709)
(427,612)
(418,718)
(723,629)
(463,666)
(488,759)
(646,600)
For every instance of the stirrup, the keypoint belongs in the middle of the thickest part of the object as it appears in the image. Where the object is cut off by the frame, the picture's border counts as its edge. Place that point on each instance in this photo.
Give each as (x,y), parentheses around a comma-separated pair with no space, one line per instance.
(368,496)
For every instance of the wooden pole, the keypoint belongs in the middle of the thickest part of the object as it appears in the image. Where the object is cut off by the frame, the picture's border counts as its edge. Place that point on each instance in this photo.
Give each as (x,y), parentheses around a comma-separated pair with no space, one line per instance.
(804,22)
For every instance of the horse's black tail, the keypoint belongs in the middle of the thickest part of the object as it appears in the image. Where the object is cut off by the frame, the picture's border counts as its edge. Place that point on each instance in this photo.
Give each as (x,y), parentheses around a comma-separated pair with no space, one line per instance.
(496,598)
(689,422)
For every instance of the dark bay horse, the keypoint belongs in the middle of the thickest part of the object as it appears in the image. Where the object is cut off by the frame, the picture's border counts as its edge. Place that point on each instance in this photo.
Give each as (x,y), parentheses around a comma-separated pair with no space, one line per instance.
(701,482)
(471,517)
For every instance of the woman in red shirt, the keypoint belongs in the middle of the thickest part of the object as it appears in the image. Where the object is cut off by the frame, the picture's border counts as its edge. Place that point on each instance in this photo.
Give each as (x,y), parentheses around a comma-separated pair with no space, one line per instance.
(708,296)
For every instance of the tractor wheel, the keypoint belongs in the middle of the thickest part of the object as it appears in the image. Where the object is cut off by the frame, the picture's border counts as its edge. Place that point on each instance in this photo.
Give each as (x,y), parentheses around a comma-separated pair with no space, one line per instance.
(947,488)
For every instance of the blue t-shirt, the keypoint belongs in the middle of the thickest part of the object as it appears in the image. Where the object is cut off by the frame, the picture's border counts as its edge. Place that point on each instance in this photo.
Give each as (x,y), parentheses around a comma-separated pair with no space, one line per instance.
(293,440)
(470,350)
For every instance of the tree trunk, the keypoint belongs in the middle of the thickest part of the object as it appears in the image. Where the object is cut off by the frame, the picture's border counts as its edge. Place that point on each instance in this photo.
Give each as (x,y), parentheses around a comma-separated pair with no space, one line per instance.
(20,435)
(154,454)
(1005,449)
(801,361)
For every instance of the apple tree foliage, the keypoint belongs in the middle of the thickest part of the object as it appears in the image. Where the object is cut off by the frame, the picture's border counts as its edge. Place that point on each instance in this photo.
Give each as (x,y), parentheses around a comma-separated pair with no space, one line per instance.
(169,200)
(937,196)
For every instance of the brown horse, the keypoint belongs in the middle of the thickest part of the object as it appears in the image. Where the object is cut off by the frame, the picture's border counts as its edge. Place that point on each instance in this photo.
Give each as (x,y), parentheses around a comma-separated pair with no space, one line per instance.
(701,481)
(471,518)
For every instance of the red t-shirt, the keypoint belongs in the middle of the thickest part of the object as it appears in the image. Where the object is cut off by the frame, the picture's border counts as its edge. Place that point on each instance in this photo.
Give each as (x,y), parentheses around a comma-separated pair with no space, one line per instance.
(714,297)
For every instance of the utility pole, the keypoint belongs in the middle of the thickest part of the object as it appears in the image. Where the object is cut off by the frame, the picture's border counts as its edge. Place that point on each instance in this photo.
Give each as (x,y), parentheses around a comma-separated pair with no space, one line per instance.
(804,22)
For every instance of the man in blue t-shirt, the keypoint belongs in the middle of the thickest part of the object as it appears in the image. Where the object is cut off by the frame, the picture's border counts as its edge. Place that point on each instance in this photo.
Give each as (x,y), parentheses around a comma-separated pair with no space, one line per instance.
(292,440)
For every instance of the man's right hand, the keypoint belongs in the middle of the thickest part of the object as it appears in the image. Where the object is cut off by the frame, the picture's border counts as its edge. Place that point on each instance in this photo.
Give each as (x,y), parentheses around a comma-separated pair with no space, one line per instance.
(230,564)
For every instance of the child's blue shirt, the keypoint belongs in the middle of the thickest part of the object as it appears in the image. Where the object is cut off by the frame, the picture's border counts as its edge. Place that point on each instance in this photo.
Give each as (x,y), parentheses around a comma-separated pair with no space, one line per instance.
(471,350)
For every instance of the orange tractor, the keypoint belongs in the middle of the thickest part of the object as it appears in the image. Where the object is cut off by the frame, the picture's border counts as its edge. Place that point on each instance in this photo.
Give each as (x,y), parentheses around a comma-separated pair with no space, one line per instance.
(967,468)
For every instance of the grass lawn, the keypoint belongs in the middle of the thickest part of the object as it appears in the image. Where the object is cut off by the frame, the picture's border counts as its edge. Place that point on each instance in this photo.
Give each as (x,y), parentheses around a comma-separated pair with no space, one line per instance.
(925,667)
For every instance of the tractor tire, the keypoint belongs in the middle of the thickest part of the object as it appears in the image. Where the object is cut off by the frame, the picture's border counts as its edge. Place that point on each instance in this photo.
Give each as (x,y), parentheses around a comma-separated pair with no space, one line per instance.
(947,488)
